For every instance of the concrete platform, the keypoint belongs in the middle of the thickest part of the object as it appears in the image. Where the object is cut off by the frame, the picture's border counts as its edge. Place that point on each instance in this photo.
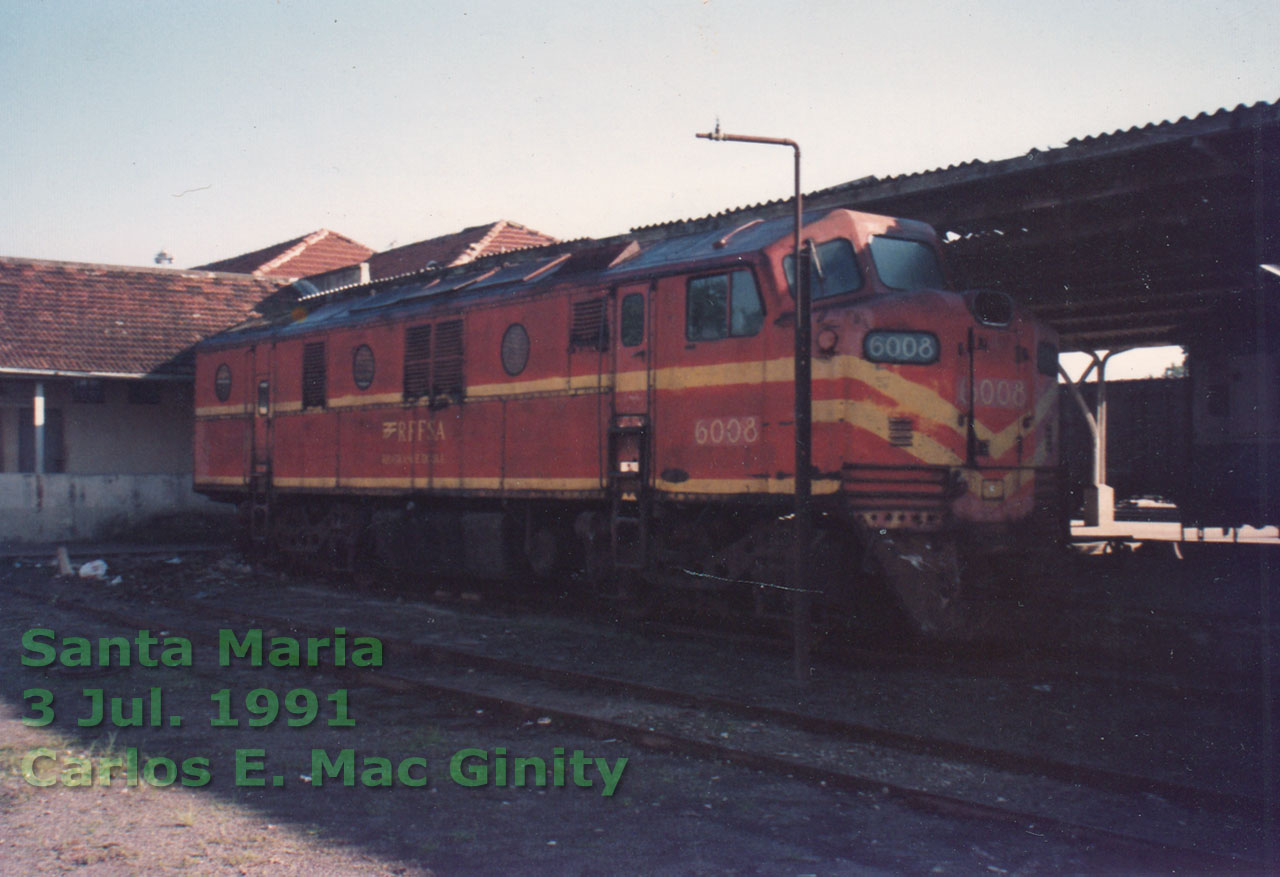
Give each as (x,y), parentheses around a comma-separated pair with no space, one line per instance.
(81,551)
(1172,531)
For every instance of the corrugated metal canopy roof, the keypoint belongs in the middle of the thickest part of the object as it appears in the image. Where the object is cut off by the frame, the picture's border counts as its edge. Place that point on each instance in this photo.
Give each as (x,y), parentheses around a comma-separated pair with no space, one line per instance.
(1123,239)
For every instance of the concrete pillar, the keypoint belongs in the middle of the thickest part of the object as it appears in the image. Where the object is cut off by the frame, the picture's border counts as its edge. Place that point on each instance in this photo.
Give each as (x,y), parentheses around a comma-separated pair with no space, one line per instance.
(37,417)
(1099,497)
(1099,505)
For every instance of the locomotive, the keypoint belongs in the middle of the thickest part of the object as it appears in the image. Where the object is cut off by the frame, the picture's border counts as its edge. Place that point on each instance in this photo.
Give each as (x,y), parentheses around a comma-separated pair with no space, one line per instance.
(620,413)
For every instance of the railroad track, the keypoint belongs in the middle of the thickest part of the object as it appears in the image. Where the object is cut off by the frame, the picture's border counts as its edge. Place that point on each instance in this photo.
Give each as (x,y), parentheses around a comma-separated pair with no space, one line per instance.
(1041,663)
(1027,657)
(1030,659)
(859,758)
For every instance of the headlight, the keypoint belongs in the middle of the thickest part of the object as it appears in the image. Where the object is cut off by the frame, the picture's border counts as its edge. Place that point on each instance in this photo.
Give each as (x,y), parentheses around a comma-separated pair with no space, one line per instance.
(991,308)
(916,348)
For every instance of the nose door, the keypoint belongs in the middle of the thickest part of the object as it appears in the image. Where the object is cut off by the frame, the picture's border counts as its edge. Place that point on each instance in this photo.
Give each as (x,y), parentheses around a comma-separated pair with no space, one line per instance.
(999,395)
(261,401)
(260,464)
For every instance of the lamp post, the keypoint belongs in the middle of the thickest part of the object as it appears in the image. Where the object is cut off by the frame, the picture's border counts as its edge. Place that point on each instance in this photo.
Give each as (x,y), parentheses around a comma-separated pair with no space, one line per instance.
(803,524)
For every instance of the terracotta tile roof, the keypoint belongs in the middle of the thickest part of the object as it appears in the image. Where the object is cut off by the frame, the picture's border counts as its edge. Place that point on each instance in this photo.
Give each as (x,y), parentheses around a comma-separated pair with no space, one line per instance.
(456,249)
(315,253)
(102,319)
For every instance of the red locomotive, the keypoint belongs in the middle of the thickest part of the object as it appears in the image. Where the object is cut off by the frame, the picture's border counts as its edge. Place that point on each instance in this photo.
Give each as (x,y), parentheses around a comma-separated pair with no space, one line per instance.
(624,408)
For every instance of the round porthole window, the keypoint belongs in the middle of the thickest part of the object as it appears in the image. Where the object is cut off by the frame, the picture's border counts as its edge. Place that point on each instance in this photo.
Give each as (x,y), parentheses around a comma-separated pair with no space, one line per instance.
(515,349)
(222,382)
(362,366)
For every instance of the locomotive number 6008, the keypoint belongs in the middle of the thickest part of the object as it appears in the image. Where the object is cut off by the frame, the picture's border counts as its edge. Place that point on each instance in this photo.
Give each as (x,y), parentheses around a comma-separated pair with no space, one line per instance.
(1001,394)
(727,431)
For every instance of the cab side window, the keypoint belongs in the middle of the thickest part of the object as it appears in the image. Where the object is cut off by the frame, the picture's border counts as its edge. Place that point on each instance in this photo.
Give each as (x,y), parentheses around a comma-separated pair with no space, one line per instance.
(723,305)
(632,319)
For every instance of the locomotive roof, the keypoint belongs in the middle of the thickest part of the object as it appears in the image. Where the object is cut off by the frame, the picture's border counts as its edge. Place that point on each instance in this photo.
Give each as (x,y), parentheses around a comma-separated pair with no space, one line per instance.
(588,262)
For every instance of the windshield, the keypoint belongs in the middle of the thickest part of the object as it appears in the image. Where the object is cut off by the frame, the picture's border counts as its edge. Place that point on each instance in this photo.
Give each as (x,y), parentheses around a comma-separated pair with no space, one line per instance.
(906,264)
(835,272)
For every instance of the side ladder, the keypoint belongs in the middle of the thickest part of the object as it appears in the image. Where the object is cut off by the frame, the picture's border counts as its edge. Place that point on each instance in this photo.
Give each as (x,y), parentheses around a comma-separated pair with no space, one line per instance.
(259,503)
(628,491)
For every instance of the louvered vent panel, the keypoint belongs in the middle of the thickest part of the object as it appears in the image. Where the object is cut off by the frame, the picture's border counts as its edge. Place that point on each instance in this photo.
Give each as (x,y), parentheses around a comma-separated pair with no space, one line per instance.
(589,330)
(448,360)
(417,361)
(901,431)
(313,375)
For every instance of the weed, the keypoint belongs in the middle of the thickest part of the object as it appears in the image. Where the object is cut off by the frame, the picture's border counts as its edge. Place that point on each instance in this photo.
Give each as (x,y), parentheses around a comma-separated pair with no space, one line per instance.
(187,816)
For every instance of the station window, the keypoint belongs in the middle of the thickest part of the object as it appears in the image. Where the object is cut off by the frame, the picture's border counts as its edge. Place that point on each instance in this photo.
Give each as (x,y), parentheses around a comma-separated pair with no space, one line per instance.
(91,390)
(723,305)
(313,375)
(834,272)
(144,392)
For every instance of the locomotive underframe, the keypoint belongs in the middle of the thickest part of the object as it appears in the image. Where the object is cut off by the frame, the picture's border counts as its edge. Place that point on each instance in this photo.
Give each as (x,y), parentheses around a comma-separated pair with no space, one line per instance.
(732,554)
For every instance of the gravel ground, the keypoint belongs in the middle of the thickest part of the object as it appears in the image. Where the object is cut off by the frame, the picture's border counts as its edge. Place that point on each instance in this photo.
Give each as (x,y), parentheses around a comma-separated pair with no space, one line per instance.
(1109,718)
(668,815)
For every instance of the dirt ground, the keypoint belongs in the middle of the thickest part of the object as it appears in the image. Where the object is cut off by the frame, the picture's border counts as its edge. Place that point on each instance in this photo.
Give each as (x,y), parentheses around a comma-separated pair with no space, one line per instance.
(667,815)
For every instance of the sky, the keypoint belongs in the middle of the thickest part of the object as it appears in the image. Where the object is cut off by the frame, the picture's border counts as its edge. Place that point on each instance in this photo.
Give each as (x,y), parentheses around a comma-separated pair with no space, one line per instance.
(208,129)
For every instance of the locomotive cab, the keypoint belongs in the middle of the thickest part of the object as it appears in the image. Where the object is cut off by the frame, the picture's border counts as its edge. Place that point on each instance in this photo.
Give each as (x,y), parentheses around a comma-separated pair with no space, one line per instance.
(935,412)
(910,375)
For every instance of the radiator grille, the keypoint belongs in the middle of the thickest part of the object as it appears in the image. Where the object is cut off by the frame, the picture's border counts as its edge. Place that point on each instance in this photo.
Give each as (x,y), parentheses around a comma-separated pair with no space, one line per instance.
(895,487)
(313,375)
(901,431)
(417,361)
(589,330)
(447,380)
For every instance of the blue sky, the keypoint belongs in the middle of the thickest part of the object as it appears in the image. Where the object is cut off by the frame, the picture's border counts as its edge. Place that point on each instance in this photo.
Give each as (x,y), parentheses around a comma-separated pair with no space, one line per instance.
(398,121)
(210,129)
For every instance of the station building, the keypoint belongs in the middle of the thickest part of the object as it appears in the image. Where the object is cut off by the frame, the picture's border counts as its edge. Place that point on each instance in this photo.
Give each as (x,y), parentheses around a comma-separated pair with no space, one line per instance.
(95,392)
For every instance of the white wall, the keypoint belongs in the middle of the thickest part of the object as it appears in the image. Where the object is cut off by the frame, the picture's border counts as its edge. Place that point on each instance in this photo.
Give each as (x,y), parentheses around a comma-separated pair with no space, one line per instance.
(127,464)
(62,508)
(110,437)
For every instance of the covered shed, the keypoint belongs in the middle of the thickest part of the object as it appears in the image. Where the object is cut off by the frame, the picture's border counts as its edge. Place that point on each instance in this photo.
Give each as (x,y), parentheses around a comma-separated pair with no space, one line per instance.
(95,392)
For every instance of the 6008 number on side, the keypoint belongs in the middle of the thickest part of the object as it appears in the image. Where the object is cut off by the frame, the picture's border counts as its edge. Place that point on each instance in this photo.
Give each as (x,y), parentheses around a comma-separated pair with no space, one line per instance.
(727,431)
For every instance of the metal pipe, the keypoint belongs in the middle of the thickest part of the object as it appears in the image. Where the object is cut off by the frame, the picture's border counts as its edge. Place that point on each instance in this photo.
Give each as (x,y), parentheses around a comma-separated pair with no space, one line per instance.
(1100,450)
(803,525)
